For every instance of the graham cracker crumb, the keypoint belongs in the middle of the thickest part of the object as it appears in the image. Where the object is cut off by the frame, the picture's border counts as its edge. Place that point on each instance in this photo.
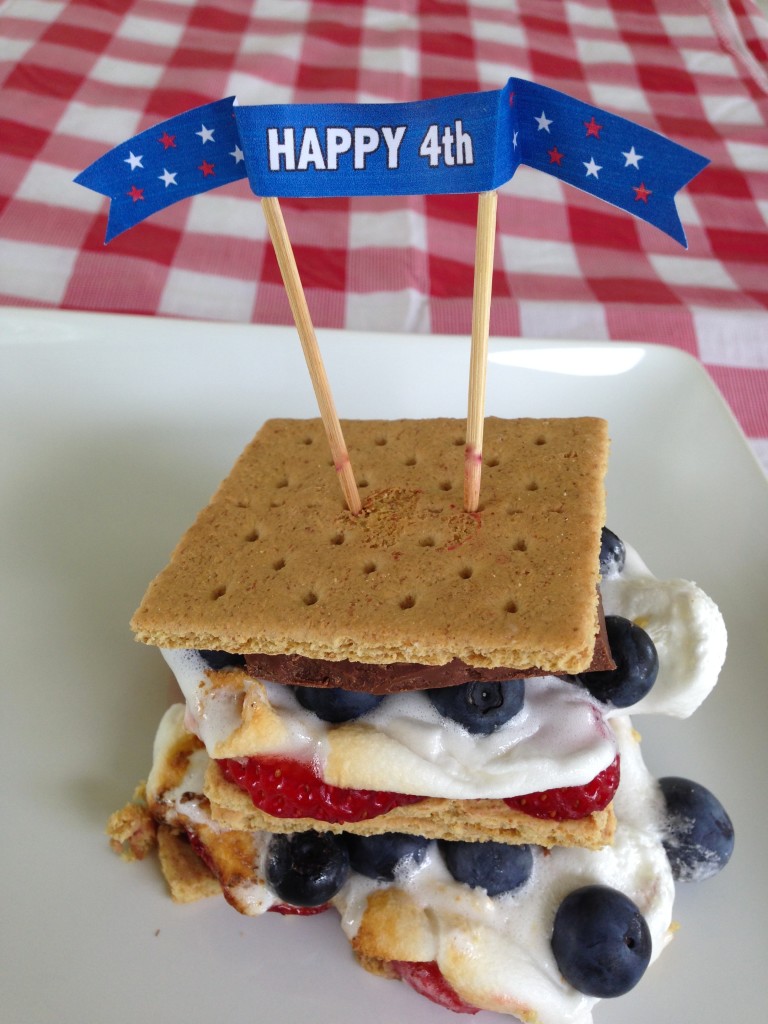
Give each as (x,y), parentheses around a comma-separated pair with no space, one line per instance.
(132,830)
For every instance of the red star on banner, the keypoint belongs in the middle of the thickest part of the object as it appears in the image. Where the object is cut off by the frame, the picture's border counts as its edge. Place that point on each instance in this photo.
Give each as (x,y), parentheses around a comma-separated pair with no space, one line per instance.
(593,128)
(554,156)
(206,168)
(641,192)
(511,99)
(167,140)
(135,193)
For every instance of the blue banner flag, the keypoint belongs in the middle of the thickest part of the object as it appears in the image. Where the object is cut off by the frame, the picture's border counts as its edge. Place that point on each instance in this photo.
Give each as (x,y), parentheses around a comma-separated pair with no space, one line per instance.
(466,143)
(188,154)
(461,143)
(614,159)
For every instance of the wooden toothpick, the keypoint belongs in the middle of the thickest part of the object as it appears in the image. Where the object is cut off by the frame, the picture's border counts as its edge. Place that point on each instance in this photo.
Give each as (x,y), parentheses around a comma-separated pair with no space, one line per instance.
(298,302)
(481,314)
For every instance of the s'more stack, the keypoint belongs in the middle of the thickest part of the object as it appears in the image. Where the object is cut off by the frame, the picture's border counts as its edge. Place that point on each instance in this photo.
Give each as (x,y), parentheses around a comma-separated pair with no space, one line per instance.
(417,716)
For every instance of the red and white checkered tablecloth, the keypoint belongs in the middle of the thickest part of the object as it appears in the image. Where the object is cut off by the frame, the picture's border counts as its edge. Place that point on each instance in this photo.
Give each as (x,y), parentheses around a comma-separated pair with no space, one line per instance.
(81,76)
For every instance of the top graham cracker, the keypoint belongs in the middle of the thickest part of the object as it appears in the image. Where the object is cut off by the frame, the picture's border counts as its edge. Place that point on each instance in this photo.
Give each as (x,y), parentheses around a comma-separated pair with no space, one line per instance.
(276,563)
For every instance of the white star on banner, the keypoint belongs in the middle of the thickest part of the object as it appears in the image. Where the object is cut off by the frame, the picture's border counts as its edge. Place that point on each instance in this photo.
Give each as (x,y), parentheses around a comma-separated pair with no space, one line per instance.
(169,177)
(134,161)
(592,167)
(633,159)
(237,153)
(543,122)
(206,134)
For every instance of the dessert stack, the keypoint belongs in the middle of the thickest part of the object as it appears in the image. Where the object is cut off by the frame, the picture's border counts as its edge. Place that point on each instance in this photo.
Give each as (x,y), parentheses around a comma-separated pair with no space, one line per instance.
(417,717)
(408,708)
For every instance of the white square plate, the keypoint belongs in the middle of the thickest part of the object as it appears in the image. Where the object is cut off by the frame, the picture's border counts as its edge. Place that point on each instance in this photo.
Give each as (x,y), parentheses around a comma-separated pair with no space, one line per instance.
(114,431)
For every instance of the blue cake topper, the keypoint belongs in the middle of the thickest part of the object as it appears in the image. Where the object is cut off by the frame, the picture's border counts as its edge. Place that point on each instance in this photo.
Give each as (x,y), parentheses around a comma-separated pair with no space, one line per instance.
(471,142)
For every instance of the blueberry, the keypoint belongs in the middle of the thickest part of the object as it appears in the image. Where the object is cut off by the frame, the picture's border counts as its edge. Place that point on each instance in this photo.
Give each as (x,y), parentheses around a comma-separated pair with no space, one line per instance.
(698,834)
(479,707)
(496,867)
(613,554)
(306,869)
(637,665)
(221,659)
(601,941)
(334,704)
(378,856)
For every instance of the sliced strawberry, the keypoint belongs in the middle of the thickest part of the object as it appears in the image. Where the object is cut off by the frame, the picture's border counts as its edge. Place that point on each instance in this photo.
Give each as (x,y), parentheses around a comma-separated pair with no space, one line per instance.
(201,850)
(286,788)
(426,979)
(289,910)
(571,802)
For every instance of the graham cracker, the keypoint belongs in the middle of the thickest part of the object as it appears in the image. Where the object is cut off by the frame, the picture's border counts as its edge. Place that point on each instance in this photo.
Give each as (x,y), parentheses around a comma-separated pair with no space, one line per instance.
(134,833)
(188,878)
(467,820)
(276,564)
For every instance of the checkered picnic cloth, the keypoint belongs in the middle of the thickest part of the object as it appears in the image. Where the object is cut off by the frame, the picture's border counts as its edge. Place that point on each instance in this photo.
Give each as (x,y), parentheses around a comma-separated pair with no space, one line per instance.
(82,76)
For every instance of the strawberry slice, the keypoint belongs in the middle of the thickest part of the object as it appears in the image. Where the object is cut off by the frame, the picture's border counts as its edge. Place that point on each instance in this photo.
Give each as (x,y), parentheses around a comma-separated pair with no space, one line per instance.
(571,802)
(427,979)
(288,910)
(286,788)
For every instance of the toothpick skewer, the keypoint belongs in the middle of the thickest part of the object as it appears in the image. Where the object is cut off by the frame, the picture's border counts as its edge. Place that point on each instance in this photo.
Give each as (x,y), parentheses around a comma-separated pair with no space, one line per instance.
(481,313)
(298,302)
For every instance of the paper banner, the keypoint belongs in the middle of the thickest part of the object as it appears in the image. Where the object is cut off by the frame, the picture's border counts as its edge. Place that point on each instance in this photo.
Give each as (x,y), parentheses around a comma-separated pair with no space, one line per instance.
(456,144)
